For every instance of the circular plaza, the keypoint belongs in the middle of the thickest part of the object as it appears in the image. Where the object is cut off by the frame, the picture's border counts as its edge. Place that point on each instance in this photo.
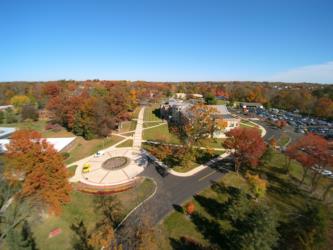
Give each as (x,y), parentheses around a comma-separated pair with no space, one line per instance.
(114,167)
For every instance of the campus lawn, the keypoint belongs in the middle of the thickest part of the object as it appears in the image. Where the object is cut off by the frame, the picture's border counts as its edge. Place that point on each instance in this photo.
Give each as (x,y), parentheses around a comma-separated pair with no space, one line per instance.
(283,140)
(71,170)
(82,207)
(151,124)
(128,126)
(82,148)
(40,127)
(127,143)
(151,113)
(161,134)
(282,193)
(135,113)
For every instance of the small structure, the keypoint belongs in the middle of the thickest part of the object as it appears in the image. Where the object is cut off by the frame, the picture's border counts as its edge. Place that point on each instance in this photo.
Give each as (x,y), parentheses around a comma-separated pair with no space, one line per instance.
(4,107)
(6,132)
(180,96)
(251,105)
(58,143)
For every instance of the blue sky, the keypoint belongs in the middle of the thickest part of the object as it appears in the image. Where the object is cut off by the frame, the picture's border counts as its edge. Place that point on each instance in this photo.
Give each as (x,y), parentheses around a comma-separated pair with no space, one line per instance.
(167,40)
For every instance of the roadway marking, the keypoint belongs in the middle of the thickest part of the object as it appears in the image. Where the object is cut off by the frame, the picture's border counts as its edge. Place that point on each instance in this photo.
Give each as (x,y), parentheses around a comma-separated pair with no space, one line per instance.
(204,177)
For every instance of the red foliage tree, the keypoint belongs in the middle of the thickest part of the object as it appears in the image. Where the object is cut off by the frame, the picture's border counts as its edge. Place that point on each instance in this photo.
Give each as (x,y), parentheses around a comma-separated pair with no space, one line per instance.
(246,145)
(39,171)
(312,151)
(190,208)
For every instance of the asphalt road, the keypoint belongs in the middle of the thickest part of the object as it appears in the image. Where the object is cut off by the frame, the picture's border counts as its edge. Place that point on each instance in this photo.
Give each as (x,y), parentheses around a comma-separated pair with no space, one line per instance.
(172,191)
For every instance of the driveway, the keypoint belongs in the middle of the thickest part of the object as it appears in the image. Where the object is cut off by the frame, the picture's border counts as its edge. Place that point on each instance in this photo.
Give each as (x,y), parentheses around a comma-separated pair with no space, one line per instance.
(171,191)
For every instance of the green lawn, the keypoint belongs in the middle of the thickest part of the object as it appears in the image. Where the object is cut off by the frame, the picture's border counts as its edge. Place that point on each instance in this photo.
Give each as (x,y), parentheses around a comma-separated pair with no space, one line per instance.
(128,126)
(135,113)
(151,124)
(127,143)
(283,140)
(83,148)
(82,207)
(150,113)
(40,127)
(71,170)
(160,133)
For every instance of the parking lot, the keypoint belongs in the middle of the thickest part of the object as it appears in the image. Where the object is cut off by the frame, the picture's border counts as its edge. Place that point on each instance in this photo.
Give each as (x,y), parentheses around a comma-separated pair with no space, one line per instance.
(301,124)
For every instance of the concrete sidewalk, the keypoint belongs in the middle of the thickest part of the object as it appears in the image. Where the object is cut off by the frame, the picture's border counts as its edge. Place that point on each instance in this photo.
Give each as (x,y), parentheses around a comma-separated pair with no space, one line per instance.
(137,137)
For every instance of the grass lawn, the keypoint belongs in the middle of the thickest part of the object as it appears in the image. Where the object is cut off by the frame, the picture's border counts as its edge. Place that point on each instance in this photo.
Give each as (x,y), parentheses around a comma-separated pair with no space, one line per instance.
(40,127)
(127,143)
(215,143)
(82,207)
(150,113)
(221,102)
(282,193)
(128,126)
(83,148)
(283,140)
(135,113)
(160,133)
(71,170)
(150,124)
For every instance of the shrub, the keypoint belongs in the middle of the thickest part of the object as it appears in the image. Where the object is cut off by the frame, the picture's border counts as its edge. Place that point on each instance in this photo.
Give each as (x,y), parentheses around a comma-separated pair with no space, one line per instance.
(65,155)
(190,208)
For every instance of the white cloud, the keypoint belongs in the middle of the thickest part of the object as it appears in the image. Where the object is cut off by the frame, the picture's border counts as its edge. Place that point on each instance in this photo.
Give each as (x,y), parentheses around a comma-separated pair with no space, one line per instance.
(320,73)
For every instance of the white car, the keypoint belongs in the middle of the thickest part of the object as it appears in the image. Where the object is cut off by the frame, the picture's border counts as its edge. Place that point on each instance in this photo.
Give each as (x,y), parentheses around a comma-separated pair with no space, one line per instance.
(99,154)
(326,172)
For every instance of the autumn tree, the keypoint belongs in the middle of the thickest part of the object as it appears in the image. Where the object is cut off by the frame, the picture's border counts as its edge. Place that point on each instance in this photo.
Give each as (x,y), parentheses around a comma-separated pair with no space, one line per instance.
(312,151)
(258,186)
(36,167)
(324,107)
(19,101)
(246,146)
(198,125)
(29,111)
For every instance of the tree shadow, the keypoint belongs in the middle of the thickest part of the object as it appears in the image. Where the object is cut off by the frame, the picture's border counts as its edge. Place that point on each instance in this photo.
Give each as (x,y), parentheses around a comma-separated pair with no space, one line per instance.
(187,243)
(157,113)
(210,229)
(178,208)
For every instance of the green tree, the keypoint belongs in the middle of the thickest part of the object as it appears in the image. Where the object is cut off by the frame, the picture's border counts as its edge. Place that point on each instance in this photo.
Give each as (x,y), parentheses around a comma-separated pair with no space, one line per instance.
(257,231)
(307,229)
(10,116)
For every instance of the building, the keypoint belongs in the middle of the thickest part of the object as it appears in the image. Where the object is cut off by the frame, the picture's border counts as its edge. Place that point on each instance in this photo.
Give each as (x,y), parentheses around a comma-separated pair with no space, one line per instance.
(176,111)
(4,107)
(251,105)
(224,115)
(6,132)
(59,144)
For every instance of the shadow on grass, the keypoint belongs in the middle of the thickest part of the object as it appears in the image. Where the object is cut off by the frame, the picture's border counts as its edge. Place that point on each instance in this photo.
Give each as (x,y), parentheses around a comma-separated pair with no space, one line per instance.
(187,243)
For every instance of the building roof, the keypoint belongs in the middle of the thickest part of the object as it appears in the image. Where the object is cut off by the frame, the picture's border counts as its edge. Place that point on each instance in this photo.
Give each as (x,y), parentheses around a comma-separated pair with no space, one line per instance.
(222,109)
(58,143)
(5,132)
(6,107)
(253,104)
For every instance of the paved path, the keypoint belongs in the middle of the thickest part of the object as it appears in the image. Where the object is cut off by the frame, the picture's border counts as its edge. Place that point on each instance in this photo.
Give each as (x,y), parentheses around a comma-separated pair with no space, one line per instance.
(137,137)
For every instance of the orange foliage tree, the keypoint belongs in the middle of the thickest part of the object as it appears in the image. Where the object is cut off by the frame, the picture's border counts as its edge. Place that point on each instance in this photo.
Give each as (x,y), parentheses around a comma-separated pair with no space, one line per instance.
(247,146)
(36,167)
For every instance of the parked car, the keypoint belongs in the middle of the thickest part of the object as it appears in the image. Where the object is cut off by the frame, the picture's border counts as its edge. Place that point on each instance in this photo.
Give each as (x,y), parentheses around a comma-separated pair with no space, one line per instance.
(99,154)
(86,168)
